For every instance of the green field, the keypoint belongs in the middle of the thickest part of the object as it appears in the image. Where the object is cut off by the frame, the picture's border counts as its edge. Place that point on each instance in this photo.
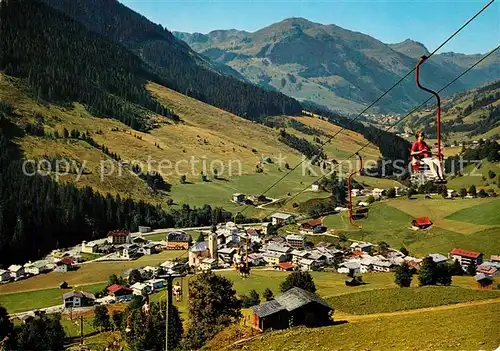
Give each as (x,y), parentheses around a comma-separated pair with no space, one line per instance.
(30,300)
(400,299)
(327,284)
(466,328)
(484,214)
(390,220)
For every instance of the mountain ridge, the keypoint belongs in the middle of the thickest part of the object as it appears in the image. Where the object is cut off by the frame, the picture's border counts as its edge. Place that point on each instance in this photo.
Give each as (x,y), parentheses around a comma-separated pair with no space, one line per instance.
(330,64)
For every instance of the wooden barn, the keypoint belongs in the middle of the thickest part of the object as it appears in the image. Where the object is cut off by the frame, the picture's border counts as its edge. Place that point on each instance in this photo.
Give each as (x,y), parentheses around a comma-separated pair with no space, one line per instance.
(294,307)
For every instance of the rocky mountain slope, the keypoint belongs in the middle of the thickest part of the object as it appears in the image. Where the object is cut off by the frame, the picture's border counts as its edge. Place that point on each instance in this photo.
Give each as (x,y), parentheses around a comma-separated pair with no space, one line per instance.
(335,67)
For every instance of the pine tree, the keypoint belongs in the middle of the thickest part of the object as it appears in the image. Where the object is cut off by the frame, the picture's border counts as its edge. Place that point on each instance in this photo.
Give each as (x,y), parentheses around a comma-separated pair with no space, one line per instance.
(463,192)
(404,251)
(301,280)
(213,305)
(473,191)
(444,274)
(457,268)
(268,294)
(403,275)
(471,268)
(101,318)
(428,272)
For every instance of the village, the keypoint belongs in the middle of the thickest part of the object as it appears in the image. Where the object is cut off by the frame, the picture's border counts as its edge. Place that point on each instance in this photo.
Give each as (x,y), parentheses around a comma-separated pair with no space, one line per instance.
(231,247)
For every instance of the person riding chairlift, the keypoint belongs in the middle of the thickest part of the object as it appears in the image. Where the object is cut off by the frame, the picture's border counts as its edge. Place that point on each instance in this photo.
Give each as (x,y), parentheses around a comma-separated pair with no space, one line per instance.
(421,152)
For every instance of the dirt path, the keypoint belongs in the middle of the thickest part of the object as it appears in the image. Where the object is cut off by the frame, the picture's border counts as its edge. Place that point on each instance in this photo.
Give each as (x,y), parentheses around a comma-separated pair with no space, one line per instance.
(359,318)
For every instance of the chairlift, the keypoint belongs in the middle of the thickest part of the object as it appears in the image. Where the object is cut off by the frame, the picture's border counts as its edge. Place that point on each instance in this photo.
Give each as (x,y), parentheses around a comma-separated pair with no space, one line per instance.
(421,172)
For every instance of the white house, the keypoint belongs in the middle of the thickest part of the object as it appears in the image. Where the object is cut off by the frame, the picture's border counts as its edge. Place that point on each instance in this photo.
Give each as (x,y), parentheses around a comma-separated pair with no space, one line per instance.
(78,299)
(331,254)
(382,266)
(365,247)
(149,248)
(452,193)
(144,229)
(346,267)
(265,228)
(156,284)
(141,289)
(317,256)
(238,197)
(308,265)
(315,187)
(37,267)
(356,192)
(297,255)
(377,192)
(90,247)
(127,251)
(208,264)
(16,271)
(278,248)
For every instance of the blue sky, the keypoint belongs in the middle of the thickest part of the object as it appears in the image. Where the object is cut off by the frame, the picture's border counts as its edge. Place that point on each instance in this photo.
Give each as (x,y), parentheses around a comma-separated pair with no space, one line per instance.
(429,22)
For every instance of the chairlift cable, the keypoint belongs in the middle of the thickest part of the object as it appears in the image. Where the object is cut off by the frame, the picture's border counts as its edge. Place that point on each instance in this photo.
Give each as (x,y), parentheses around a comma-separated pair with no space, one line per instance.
(396,123)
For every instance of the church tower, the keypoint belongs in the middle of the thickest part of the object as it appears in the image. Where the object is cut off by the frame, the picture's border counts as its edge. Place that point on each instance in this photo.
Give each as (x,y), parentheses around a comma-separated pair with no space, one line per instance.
(212,246)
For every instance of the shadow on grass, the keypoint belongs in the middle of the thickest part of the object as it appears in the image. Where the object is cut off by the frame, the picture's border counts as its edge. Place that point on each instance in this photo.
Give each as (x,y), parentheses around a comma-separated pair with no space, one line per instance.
(222,179)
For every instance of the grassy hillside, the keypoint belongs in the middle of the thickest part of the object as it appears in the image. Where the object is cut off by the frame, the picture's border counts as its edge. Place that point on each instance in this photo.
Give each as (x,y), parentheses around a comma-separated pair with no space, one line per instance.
(470,114)
(343,144)
(391,300)
(21,301)
(429,330)
(390,220)
(474,176)
(483,214)
(207,136)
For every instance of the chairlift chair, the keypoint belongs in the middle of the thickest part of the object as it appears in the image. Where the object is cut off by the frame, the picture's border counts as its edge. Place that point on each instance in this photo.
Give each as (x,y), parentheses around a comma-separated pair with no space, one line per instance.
(421,173)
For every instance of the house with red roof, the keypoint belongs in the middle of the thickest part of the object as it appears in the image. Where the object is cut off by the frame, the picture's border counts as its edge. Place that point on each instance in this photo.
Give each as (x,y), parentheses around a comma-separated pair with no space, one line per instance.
(313,226)
(466,257)
(286,266)
(120,292)
(422,222)
(64,265)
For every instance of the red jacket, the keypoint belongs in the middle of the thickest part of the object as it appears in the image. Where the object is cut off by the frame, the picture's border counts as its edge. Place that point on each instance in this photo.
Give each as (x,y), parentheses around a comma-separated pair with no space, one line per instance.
(420,146)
